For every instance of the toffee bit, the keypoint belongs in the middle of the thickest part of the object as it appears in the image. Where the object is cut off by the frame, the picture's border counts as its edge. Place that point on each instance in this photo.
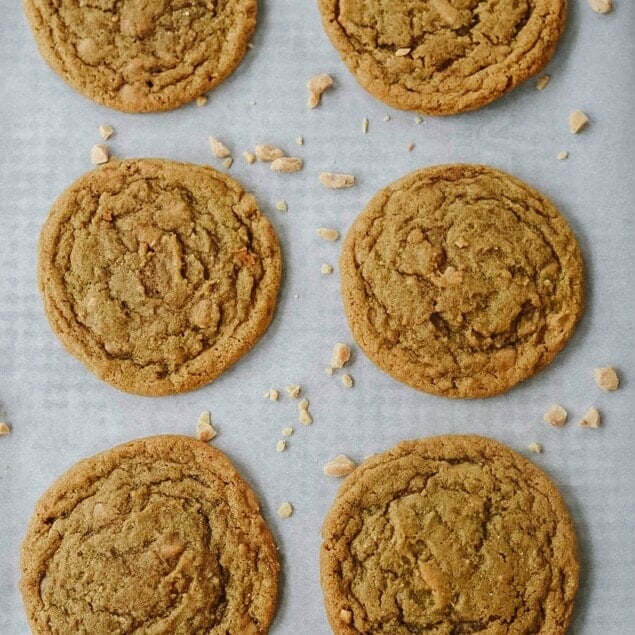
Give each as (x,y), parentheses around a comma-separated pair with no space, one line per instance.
(327,233)
(218,148)
(285,510)
(591,418)
(341,355)
(316,86)
(106,131)
(606,378)
(541,82)
(555,416)
(577,121)
(99,154)
(340,466)
(335,181)
(287,164)
(267,152)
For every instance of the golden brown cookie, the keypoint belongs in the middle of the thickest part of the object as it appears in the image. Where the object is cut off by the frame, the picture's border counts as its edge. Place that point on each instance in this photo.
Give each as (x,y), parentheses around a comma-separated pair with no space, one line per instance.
(158,275)
(440,57)
(448,535)
(461,280)
(142,55)
(159,535)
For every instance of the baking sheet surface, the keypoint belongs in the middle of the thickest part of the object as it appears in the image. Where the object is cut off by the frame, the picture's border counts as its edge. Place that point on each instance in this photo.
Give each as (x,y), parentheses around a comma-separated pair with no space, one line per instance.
(60,413)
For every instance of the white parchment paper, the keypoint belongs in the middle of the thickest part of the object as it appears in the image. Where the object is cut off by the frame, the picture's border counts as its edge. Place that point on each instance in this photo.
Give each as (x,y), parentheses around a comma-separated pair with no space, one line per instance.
(60,412)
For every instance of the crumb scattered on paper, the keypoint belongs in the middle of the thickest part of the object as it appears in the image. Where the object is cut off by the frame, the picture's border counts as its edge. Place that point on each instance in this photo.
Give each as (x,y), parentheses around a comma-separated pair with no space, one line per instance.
(555,416)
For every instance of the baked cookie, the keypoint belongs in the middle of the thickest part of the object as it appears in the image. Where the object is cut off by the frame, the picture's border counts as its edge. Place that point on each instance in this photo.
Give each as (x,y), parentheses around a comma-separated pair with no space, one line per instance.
(142,55)
(461,280)
(158,275)
(440,57)
(451,534)
(159,535)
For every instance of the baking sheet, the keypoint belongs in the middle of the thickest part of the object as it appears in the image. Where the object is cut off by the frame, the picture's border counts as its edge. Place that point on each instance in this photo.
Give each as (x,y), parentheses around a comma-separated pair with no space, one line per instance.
(60,413)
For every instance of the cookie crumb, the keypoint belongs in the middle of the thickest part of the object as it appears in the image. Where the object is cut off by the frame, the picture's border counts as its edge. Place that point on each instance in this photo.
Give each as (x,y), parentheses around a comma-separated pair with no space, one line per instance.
(272,394)
(561,156)
(250,157)
(228,162)
(606,378)
(336,181)
(285,510)
(542,82)
(365,125)
(402,52)
(346,616)
(293,390)
(410,147)
(577,121)
(287,164)
(386,117)
(106,131)
(305,418)
(4,429)
(204,429)
(536,448)
(418,119)
(218,148)
(99,154)
(347,381)
(328,370)
(326,269)
(300,140)
(303,404)
(556,416)
(327,233)
(201,100)
(341,355)
(281,446)
(287,432)
(591,418)
(282,206)
(267,152)
(316,86)
(340,466)
(601,6)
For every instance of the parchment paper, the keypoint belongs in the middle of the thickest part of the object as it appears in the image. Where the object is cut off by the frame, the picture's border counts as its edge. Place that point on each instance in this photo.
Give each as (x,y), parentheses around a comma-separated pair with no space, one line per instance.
(61,413)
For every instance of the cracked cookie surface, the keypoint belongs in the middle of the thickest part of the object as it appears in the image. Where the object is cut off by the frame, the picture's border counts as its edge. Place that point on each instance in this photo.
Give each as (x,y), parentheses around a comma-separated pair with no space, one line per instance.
(159,535)
(142,55)
(440,57)
(461,280)
(158,275)
(449,535)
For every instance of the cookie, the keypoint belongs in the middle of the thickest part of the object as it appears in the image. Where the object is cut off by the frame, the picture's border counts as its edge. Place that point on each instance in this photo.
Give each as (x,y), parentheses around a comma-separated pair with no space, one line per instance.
(451,534)
(461,280)
(159,535)
(158,275)
(140,55)
(440,57)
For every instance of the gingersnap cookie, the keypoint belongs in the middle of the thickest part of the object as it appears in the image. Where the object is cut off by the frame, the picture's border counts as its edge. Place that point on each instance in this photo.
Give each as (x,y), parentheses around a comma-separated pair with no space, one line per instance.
(440,57)
(159,535)
(140,55)
(461,280)
(158,275)
(450,534)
